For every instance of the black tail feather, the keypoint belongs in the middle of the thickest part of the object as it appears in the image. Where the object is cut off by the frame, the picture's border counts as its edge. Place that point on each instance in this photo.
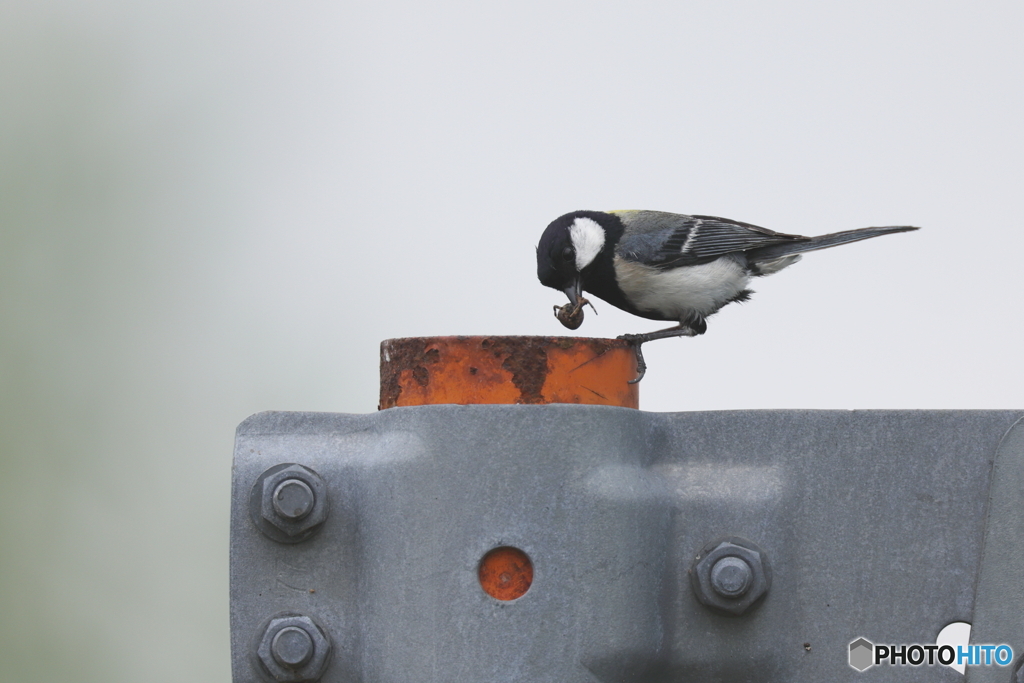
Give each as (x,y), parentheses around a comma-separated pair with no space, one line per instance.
(823,242)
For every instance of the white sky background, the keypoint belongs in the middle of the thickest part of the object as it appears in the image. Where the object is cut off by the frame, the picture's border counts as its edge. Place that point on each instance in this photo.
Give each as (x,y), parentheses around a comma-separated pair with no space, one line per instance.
(209,209)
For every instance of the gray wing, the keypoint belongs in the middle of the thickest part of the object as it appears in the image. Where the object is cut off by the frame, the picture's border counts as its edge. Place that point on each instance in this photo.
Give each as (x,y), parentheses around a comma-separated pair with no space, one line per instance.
(671,240)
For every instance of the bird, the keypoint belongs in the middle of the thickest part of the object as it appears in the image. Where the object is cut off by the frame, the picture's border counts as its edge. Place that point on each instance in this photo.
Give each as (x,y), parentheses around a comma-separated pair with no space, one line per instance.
(667,266)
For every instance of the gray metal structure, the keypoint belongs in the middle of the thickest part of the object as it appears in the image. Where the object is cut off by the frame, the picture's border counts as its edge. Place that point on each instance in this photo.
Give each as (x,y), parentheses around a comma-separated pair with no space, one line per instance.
(886,525)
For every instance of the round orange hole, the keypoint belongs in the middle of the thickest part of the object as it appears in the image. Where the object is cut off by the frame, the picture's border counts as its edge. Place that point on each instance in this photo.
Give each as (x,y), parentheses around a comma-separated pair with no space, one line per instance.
(506,573)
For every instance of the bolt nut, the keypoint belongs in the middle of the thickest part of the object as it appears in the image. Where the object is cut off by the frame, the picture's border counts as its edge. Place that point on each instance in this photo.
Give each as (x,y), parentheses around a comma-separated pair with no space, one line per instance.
(294,649)
(730,575)
(289,503)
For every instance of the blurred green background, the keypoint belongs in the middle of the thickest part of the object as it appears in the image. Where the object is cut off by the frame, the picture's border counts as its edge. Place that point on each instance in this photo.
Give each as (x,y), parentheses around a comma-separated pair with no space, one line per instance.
(208,209)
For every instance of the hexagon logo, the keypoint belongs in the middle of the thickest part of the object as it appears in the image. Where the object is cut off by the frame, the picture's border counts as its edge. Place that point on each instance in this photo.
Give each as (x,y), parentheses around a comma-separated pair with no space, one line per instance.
(861,654)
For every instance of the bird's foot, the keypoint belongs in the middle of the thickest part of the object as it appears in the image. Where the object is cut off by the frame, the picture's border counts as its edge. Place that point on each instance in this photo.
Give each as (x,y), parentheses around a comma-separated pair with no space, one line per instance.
(637,341)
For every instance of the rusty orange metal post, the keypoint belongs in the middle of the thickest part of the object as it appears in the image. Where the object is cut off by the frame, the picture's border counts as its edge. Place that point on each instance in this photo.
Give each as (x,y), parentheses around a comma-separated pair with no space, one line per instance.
(430,370)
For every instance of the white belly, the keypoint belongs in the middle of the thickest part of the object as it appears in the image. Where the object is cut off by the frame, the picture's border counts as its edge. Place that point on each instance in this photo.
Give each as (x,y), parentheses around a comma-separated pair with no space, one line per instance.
(680,291)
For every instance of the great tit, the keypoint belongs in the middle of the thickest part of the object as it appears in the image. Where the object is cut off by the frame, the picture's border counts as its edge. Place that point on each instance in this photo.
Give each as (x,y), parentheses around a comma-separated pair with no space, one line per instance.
(667,266)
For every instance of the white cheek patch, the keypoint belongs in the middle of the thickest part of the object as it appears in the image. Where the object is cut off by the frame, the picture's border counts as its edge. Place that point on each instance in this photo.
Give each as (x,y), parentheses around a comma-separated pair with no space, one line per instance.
(587,239)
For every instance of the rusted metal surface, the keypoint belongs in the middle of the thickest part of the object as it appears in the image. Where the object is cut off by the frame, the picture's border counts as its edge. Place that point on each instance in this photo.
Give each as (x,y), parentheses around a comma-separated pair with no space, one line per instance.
(505,573)
(432,370)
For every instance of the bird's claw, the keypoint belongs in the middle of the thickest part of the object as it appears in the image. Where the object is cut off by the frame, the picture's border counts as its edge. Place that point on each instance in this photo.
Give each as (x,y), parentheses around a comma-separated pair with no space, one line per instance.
(636,340)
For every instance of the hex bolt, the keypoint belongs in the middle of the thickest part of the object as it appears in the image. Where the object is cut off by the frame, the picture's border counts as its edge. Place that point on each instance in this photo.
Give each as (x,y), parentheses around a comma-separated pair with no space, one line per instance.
(289,502)
(292,647)
(293,499)
(731,577)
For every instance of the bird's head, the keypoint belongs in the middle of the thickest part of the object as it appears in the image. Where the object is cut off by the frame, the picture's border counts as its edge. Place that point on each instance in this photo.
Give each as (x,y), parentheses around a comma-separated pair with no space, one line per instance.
(568,247)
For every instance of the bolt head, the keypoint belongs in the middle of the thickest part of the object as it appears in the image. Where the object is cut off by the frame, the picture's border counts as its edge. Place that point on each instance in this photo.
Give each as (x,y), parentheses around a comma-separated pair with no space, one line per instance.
(293,499)
(289,502)
(730,576)
(294,649)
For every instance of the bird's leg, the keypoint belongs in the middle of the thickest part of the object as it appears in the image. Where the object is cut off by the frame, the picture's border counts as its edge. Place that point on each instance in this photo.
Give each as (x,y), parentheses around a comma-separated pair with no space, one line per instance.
(637,340)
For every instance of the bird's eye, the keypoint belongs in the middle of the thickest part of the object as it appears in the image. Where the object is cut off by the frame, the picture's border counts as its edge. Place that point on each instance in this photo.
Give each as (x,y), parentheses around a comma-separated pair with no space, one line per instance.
(567,254)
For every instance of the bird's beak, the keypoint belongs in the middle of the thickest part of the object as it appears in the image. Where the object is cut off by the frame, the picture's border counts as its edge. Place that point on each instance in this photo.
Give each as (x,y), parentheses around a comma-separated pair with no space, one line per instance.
(574,292)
